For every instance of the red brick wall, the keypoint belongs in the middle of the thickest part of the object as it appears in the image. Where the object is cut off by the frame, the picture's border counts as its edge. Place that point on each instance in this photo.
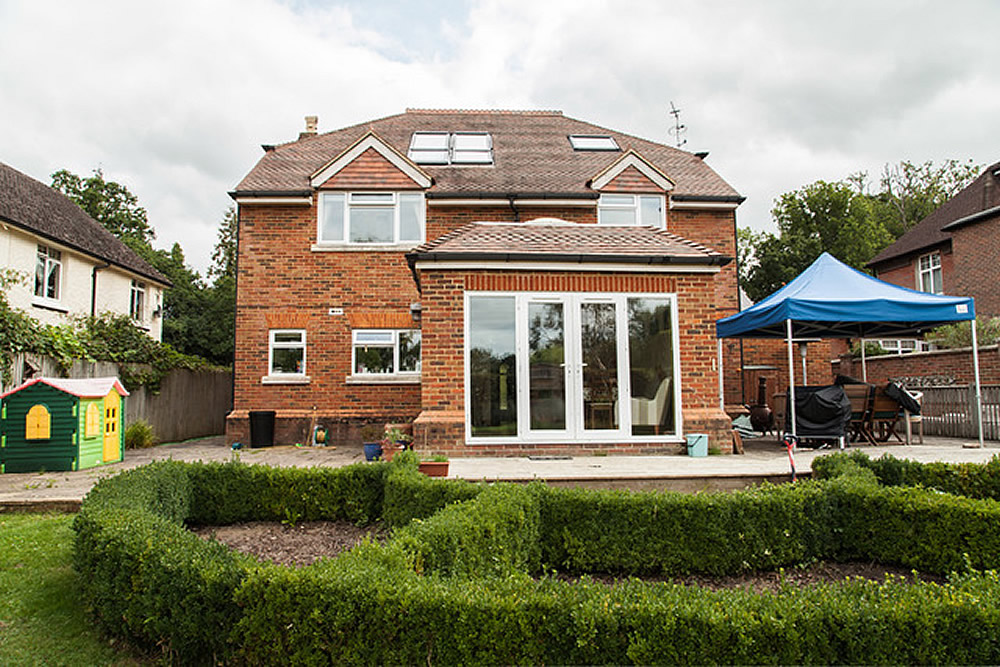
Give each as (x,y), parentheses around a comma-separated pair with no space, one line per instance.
(976,252)
(761,352)
(443,219)
(955,365)
(904,272)
(440,427)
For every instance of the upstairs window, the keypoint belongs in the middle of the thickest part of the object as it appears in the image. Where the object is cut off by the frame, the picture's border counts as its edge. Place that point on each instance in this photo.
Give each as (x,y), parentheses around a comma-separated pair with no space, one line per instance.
(371,218)
(631,210)
(451,148)
(929,273)
(48,273)
(137,301)
(593,142)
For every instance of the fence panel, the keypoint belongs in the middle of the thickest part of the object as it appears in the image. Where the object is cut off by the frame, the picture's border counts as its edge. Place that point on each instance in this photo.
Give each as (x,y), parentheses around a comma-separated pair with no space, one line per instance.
(951,411)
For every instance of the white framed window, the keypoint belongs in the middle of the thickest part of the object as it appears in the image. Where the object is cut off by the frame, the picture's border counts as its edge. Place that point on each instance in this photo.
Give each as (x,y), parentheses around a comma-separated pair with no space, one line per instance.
(286,356)
(619,209)
(385,352)
(48,273)
(451,148)
(137,301)
(371,218)
(929,273)
(904,346)
(593,142)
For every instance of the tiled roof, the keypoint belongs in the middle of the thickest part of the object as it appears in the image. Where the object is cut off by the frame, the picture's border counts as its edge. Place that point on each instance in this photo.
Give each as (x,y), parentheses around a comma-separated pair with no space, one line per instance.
(532,156)
(557,240)
(39,209)
(82,387)
(980,195)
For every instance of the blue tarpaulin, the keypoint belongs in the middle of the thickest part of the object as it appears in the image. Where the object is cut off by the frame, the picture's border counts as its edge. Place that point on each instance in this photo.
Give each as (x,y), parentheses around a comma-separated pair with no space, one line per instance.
(832,300)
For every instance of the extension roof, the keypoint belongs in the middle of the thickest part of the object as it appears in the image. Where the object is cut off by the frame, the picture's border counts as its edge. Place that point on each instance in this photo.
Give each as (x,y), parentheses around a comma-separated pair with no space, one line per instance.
(532,158)
(80,387)
(980,199)
(36,208)
(560,241)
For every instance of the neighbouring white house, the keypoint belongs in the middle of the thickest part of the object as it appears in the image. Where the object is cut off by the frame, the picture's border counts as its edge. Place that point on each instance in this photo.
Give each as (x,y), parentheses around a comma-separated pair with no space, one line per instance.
(69,263)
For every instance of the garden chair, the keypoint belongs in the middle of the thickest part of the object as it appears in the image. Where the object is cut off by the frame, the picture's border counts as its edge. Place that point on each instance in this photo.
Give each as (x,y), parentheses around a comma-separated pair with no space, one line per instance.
(885,414)
(860,396)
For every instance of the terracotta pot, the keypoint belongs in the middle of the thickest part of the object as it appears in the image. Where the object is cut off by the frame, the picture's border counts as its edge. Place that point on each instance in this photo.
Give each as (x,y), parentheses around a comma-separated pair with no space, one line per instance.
(434,468)
(388,451)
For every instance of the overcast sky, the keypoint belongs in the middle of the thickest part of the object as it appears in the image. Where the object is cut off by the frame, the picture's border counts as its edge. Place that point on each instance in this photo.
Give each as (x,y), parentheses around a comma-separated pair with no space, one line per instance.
(173,99)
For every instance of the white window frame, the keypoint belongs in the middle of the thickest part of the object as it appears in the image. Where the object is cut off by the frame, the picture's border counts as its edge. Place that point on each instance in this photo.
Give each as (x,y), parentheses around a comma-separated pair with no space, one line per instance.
(278,377)
(447,149)
(573,300)
(50,258)
(607,202)
(594,142)
(390,340)
(903,345)
(929,271)
(137,301)
(353,199)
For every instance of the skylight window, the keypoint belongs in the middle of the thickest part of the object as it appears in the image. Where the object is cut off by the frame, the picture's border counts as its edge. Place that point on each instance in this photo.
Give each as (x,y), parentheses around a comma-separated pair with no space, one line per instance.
(593,142)
(451,148)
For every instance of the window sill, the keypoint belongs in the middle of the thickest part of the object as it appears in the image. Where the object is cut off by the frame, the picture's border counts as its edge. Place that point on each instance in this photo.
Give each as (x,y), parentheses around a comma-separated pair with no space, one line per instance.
(49,305)
(285,379)
(364,247)
(382,379)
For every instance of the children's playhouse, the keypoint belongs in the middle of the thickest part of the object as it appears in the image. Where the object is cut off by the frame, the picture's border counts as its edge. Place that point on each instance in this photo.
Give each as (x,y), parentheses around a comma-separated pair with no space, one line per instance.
(62,424)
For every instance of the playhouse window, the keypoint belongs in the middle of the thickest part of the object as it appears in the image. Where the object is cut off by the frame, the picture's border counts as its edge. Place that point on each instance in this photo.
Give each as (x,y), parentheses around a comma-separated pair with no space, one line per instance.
(37,423)
(92,426)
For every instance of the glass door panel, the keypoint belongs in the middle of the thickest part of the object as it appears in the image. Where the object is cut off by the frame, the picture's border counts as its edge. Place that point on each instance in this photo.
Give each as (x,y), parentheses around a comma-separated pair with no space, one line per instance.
(651,372)
(599,376)
(546,367)
(492,369)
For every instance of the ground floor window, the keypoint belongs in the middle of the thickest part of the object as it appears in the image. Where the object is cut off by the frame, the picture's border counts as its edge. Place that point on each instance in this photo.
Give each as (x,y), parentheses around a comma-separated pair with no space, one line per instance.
(287,352)
(904,346)
(386,352)
(571,366)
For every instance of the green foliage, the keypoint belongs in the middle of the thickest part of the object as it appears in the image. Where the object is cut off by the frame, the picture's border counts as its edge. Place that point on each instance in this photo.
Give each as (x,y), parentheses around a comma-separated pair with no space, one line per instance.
(960,334)
(454,585)
(109,203)
(410,495)
(844,219)
(139,435)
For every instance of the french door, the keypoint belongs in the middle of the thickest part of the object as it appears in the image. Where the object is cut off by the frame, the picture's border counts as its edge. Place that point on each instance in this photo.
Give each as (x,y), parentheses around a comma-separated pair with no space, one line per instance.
(569,367)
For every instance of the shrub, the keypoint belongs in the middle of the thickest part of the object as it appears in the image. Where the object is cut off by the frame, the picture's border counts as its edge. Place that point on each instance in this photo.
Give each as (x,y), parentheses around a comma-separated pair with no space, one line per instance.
(138,435)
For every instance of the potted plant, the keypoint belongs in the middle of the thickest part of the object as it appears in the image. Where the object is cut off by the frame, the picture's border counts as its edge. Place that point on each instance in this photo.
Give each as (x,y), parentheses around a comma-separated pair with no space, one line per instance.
(393,441)
(371,435)
(436,466)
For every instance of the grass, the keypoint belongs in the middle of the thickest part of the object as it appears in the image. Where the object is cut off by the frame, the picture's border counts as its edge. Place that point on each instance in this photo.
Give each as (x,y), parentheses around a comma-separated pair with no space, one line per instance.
(42,620)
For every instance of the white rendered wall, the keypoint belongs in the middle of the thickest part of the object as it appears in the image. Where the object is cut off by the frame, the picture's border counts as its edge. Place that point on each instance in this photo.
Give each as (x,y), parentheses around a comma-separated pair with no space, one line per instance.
(18,251)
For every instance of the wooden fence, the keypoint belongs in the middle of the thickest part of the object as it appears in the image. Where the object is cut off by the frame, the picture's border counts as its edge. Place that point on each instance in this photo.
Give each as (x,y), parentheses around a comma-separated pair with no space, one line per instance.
(188,404)
(951,411)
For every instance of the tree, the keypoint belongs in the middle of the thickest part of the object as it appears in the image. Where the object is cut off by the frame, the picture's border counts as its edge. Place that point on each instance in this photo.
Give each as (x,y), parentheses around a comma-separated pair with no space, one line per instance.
(224,253)
(109,203)
(821,217)
(845,219)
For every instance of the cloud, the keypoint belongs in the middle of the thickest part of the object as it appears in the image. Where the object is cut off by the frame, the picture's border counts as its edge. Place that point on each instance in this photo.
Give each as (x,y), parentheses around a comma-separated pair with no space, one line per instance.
(174,99)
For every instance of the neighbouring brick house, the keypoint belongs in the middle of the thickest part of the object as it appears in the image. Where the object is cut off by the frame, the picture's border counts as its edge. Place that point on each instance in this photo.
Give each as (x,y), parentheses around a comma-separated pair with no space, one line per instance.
(509,282)
(955,250)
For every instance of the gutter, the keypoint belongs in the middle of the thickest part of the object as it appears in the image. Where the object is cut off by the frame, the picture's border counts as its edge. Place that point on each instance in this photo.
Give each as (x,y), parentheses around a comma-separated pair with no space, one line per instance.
(567,258)
(481,194)
(728,199)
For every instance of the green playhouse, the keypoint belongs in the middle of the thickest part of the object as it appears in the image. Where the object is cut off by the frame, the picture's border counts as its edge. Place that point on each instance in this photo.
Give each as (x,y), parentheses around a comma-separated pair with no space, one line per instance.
(62,424)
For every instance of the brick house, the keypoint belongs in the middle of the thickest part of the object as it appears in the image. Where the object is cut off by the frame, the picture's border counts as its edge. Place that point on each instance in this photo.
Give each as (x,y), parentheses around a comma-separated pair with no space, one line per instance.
(509,282)
(954,250)
(73,265)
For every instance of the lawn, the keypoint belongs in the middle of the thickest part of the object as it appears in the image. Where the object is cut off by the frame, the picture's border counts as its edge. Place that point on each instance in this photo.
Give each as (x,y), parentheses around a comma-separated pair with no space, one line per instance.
(42,619)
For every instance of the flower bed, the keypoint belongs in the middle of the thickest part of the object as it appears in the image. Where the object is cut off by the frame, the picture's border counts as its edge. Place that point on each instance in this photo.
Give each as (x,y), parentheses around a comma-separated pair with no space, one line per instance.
(464,579)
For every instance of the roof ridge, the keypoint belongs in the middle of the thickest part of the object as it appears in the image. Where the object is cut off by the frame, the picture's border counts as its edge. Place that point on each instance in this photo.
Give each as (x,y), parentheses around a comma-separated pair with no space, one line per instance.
(511,112)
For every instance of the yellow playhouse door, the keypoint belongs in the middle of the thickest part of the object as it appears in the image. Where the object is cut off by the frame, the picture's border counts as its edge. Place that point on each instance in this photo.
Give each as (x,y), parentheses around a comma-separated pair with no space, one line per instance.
(112,438)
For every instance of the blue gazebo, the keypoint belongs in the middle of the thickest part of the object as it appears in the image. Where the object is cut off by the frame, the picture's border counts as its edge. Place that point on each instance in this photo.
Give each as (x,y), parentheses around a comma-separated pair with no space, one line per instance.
(831,300)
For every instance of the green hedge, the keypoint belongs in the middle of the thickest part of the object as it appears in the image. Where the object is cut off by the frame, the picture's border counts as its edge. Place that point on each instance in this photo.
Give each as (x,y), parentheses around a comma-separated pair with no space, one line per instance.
(974,480)
(455,584)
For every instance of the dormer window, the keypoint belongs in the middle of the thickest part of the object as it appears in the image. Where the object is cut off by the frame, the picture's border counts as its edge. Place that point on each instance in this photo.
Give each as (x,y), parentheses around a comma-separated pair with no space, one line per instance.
(451,148)
(593,142)
(615,209)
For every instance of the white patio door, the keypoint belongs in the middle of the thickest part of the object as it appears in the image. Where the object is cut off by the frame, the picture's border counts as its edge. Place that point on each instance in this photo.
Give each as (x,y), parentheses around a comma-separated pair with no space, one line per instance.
(572,354)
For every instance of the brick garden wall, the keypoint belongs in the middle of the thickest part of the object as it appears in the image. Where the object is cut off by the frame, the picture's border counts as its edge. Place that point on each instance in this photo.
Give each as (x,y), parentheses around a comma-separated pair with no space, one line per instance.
(940,366)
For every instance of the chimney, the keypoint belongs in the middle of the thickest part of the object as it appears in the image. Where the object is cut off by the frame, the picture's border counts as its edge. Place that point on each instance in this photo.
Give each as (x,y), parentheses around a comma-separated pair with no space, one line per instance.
(311,123)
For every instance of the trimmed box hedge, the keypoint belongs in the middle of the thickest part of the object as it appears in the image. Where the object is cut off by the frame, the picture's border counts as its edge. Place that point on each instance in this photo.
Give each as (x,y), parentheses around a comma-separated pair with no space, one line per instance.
(467,577)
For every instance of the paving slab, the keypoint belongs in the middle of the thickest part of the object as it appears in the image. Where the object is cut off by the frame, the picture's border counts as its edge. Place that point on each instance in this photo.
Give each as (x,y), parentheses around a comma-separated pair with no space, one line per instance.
(764,460)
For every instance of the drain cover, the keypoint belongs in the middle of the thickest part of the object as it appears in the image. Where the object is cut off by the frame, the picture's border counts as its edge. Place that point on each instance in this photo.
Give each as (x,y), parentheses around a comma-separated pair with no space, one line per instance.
(550,458)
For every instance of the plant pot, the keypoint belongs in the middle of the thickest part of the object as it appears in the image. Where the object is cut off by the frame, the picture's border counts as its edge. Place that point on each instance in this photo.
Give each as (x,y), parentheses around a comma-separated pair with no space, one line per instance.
(373,450)
(388,452)
(434,468)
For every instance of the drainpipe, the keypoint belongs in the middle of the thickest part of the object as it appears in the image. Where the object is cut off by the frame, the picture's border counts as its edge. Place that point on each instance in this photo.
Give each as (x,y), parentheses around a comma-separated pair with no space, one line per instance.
(236,293)
(93,286)
(513,207)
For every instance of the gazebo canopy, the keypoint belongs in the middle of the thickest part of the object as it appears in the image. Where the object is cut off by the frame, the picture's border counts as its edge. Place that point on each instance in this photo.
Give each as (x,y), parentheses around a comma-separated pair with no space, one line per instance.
(832,300)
